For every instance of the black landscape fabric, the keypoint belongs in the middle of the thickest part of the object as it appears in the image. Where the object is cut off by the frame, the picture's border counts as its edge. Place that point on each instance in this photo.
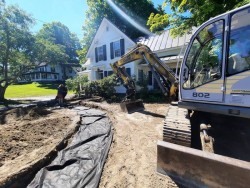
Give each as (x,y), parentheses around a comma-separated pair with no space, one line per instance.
(81,163)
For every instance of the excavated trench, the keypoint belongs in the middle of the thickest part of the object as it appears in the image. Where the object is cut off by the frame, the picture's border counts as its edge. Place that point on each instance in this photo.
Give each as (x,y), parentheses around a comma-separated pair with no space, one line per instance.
(70,145)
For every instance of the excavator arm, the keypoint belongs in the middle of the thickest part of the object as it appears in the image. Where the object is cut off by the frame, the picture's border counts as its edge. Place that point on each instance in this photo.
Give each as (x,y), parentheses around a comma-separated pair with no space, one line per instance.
(164,76)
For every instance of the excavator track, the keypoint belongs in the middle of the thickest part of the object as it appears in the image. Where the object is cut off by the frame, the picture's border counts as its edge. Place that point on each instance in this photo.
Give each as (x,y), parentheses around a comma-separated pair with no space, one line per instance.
(177,128)
(191,167)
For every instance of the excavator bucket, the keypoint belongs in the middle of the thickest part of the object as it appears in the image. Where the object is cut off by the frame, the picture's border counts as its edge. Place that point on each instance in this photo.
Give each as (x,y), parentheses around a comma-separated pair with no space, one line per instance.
(132,106)
(194,168)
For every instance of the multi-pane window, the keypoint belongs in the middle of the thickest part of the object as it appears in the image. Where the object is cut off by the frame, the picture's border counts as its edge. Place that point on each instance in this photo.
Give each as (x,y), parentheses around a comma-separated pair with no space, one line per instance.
(42,69)
(100,53)
(107,73)
(44,76)
(117,48)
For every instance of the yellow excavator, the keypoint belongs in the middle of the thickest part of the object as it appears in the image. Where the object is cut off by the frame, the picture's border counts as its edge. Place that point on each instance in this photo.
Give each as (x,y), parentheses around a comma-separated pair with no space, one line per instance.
(164,76)
(213,102)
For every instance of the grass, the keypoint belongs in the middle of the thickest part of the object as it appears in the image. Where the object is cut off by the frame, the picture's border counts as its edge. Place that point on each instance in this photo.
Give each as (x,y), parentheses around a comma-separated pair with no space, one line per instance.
(31,90)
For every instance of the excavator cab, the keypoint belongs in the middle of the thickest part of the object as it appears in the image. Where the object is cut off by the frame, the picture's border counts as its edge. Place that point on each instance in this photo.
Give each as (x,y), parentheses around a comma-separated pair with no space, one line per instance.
(216,67)
(213,87)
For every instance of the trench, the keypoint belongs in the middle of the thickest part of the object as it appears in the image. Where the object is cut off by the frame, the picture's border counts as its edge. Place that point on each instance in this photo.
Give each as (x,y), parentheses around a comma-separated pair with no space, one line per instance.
(77,160)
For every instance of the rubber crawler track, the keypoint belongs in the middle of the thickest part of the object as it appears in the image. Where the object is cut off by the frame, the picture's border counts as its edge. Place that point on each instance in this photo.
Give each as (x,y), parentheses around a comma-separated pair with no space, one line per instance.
(177,128)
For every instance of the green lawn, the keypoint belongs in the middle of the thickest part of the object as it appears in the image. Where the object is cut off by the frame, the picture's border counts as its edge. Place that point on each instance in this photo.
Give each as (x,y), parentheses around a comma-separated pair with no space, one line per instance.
(31,90)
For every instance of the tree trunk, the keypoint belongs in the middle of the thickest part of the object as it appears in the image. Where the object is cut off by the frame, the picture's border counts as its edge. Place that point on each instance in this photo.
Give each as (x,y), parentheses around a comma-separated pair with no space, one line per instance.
(2,92)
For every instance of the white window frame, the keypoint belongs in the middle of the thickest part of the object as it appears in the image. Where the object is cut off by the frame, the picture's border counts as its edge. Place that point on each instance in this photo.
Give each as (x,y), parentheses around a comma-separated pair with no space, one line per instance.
(100,53)
(117,48)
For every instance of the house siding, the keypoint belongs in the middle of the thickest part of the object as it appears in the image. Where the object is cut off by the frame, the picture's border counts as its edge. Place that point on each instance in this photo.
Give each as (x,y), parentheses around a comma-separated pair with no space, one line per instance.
(163,45)
(45,73)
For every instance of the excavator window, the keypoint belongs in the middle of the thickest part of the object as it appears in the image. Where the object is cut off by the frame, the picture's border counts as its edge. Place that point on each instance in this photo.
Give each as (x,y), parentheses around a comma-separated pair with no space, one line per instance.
(204,60)
(239,47)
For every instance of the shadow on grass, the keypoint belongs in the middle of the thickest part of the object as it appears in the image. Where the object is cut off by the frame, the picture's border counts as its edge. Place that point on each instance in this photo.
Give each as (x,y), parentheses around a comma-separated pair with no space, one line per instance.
(45,85)
(49,85)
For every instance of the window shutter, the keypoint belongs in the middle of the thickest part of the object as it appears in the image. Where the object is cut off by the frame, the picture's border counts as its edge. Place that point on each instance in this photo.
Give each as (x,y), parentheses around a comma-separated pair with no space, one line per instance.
(111,51)
(104,52)
(105,74)
(96,55)
(122,44)
(150,78)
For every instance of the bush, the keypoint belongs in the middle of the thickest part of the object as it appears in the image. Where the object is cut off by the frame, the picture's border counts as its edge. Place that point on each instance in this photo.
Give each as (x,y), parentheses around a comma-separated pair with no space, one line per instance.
(104,88)
(76,83)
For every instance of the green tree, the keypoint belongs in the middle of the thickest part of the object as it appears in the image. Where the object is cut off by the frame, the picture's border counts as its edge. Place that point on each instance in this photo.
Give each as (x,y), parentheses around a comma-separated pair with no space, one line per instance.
(138,10)
(46,51)
(187,14)
(16,45)
(55,43)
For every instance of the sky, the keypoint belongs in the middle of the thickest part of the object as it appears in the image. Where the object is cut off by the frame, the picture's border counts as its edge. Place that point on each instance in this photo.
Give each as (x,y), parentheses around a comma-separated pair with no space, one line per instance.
(69,12)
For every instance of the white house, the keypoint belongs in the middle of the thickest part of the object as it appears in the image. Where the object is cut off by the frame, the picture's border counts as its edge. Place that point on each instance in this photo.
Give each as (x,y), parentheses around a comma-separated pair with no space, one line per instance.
(109,44)
(44,72)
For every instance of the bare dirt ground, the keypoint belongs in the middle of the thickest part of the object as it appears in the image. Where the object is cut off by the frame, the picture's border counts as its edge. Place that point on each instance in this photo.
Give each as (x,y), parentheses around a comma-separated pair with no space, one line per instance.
(27,136)
(132,157)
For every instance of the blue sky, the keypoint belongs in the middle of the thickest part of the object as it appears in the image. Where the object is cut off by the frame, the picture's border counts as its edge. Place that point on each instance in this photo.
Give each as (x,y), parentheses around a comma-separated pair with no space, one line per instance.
(69,12)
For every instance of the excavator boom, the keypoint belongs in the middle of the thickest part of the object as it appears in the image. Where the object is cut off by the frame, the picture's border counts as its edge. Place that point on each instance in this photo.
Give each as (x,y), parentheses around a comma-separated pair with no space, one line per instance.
(164,76)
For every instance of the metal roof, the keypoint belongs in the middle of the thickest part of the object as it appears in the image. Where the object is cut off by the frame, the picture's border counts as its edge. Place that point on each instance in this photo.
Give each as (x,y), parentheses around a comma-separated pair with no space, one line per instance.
(172,58)
(163,41)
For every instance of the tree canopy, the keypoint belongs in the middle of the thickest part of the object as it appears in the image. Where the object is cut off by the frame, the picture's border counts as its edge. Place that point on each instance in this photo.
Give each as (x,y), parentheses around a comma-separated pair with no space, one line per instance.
(97,9)
(20,49)
(186,14)
(55,43)
(16,44)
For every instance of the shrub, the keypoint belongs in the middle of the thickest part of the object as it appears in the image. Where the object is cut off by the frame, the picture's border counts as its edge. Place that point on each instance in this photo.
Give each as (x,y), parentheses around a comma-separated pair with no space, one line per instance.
(76,83)
(104,88)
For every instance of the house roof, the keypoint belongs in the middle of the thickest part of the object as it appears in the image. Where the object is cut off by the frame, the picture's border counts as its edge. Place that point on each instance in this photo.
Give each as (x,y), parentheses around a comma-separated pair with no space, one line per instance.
(99,32)
(164,41)
(171,58)
(71,64)
(40,64)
